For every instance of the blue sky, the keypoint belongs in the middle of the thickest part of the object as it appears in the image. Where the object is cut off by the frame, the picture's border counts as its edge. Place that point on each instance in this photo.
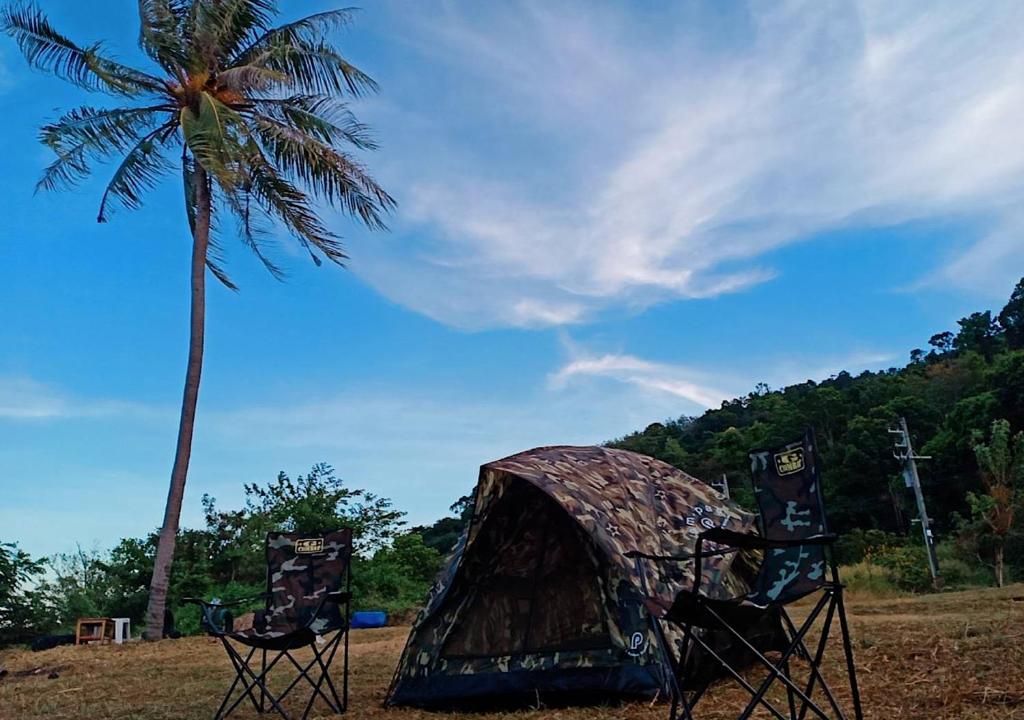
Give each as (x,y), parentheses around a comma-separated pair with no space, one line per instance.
(609,215)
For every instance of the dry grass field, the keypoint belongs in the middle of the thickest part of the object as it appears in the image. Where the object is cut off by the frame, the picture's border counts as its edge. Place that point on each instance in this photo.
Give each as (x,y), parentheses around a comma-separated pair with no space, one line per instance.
(955,655)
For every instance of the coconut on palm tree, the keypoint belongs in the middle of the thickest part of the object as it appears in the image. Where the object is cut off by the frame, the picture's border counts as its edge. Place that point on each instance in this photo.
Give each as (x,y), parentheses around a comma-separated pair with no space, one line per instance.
(252,116)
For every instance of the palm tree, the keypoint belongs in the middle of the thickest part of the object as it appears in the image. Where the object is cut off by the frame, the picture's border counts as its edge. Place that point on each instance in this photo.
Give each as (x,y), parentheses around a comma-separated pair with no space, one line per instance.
(256,118)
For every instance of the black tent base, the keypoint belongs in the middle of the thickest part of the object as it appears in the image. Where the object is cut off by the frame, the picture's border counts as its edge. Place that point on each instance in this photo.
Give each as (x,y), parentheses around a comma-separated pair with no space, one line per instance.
(523,689)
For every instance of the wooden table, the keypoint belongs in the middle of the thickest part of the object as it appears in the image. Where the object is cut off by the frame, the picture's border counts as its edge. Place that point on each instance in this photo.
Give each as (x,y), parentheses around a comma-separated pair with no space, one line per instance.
(94,629)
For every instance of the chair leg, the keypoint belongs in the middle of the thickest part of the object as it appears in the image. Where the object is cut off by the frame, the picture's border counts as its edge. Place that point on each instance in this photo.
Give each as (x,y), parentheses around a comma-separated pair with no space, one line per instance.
(234,683)
(773,669)
(851,667)
(738,678)
(257,681)
(324,674)
(789,692)
(340,705)
(241,666)
(263,674)
(815,662)
(680,696)
(344,675)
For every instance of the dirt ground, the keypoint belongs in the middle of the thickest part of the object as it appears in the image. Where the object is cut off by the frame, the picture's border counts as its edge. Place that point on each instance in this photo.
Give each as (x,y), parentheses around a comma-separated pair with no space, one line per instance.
(954,655)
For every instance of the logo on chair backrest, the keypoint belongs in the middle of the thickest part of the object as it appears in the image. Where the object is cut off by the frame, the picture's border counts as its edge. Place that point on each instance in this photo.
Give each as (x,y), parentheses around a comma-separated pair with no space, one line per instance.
(789,461)
(308,546)
(637,644)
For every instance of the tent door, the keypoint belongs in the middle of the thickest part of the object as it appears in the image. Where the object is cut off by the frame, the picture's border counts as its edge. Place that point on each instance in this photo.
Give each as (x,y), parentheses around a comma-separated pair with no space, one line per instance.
(534,584)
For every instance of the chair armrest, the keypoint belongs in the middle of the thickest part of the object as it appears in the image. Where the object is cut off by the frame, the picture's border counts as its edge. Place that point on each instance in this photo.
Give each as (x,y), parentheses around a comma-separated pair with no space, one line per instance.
(219,626)
(756,542)
(229,603)
(634,554)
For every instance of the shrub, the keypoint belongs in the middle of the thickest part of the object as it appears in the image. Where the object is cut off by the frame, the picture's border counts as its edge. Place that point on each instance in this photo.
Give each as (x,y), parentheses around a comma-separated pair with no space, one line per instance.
(854,546)
(908,565)
(870,578)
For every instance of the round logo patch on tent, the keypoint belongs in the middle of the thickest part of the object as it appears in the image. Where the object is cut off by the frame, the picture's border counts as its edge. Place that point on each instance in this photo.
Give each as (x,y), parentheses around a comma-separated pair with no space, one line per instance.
(637,644)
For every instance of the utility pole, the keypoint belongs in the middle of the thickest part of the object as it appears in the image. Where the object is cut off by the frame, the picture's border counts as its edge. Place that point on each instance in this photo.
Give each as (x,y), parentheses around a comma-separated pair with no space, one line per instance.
(904,452)
(722,486)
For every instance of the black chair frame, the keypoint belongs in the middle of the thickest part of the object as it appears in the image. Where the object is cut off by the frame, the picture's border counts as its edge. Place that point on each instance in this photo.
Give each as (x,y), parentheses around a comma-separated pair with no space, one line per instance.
(693,612)
(254,684)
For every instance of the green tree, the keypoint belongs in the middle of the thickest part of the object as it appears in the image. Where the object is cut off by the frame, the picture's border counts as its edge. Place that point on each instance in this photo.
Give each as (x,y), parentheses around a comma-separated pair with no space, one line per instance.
(1001,463)
(979,332)
(256,117)
(320,501)
(443,534)
(23,612)
(398,575)
(1011,317)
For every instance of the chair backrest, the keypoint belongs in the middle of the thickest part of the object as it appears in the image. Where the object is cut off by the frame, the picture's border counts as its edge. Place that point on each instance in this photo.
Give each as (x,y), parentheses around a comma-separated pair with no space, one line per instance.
(301,569)
(789,501)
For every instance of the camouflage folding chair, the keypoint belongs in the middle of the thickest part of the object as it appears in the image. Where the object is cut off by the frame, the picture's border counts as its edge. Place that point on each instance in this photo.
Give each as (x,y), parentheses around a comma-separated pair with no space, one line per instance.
(308,597)
(797,563)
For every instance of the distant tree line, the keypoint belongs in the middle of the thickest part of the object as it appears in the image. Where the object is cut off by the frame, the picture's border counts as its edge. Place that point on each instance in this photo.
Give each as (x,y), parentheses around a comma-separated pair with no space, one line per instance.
(967,386)
(963,399)
(393,567)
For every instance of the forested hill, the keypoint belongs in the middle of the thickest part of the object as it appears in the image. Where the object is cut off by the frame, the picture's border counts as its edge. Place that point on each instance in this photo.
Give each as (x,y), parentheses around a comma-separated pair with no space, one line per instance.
(950,394)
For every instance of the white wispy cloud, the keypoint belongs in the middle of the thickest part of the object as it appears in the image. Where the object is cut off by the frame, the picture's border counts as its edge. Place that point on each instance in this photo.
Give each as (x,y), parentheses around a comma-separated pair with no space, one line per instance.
(24,398)
(637,159)
(677,380)
(702,387)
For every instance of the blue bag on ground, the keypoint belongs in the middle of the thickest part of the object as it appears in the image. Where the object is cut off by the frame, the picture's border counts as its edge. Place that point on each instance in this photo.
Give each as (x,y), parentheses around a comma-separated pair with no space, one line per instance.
(369,619)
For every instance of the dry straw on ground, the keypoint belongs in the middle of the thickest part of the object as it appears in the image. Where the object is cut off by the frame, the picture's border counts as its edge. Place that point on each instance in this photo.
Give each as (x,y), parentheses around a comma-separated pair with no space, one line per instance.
(942,657)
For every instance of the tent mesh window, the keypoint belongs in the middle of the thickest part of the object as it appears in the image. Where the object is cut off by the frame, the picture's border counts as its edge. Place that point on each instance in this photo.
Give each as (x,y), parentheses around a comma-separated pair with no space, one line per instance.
(536,587)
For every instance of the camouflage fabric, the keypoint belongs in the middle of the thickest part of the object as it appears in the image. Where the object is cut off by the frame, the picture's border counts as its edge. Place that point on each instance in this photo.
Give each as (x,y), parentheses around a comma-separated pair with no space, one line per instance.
(788,494)
(301,569)
(540,580)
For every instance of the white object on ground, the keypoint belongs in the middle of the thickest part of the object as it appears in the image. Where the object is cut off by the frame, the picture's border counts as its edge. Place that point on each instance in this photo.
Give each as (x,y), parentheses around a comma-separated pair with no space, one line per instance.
(122,630)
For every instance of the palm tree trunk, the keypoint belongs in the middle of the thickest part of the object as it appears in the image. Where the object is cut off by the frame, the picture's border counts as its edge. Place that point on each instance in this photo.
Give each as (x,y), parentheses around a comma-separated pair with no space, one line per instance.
(1000,564)
(169,530)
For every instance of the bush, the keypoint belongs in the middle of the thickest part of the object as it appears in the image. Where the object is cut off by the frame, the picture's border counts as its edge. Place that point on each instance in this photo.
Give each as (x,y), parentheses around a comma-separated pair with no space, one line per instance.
(397,577)
(908,565)
(856,545)
(870,578)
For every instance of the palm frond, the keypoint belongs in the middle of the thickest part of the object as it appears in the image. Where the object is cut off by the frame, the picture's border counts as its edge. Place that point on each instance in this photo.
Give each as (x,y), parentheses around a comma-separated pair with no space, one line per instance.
(324,117)
(311,27)
(188,177)
(209,135)
(215,264)
(223,27)
(215,259)
(331,175)
(281,199)
(118,127)
(85,135)
(316,67)
(252,223)
(65,171)
(249,78)
(48,50)
(214,251)
(140,170)
(161,32)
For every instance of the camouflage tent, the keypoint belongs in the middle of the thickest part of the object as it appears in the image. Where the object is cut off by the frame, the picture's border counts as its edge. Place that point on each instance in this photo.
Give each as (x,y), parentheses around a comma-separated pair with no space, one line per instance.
(539,597)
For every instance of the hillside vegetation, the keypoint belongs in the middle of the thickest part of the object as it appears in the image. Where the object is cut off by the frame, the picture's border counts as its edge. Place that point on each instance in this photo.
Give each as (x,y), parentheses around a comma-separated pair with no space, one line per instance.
(950,393)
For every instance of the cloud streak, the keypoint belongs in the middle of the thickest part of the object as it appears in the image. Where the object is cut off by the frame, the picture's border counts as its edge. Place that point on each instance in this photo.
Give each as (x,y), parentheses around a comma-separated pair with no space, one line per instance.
(676,380)
(640,161)
(703,388)
(26,399)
